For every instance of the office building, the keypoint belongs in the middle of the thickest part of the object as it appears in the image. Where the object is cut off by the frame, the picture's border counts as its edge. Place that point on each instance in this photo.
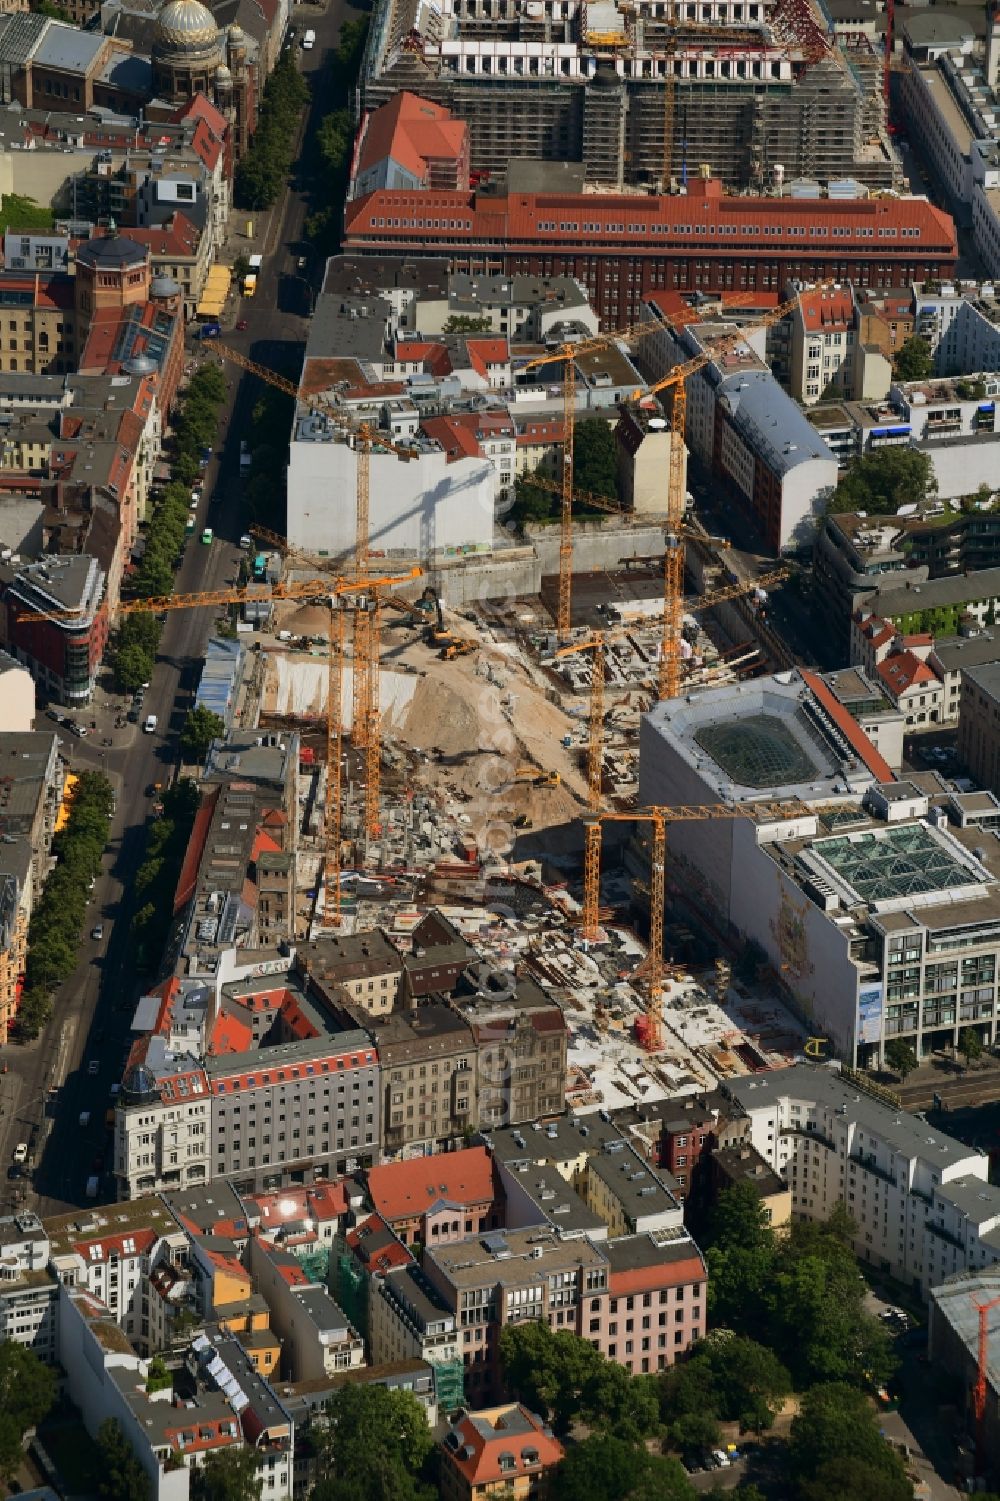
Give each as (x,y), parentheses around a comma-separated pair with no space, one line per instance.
(624,249)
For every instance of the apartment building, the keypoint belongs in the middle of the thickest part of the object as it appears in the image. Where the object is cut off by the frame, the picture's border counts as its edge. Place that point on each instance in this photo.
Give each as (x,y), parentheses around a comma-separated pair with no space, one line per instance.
(63,656)
(366,967)
(429,1071)
(29,1295)
(113,1253)
(316,1337)
(437,1199)
(520,1035)
(979,724)
(657,1306)
(497,1451)
(516,1276)
(31,795)
(744,428)
(921,1201)
(220,1401)
(408,1319)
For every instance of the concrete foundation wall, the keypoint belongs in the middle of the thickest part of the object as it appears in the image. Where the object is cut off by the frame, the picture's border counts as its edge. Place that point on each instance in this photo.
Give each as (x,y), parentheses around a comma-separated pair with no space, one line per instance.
(598,546)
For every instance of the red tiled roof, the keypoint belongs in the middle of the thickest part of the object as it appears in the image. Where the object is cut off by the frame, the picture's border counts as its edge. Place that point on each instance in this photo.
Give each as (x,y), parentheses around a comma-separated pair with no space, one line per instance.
(643,1279)
(230,1035)
(178,238)
(400,1190)
(265,1075)
(433,356)
(904,670)
(849,727)
(482,1466)
(454,437)
(822,311)
(703,219)
(411,131)
(390,1253)
(486,352)
(188,878)
(141,1242)
(322,1201)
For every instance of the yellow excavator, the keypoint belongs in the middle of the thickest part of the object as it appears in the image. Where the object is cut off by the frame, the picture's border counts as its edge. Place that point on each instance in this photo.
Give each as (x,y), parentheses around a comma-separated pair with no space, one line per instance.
(540,778)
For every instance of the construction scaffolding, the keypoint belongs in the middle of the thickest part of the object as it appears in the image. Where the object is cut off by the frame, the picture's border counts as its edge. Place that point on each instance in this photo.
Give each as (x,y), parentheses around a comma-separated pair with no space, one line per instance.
(775,103)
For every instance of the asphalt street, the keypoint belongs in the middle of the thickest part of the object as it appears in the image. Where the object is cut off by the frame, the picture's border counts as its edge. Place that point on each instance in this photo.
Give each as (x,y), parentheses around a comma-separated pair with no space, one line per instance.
(48,1087)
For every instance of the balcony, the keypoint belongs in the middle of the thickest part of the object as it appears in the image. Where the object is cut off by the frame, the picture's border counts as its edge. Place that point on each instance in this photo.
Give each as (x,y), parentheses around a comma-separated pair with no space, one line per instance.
(870,1165)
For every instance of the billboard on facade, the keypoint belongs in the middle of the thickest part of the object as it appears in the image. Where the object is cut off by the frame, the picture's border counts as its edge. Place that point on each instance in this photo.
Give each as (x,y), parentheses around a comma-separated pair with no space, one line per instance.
(870,1013)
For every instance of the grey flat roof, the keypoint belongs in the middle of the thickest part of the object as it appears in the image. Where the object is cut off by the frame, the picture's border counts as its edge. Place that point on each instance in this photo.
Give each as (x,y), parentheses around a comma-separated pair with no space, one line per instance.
(557,1201)
(771,422)
(904,1133)
(507,1257)
(627,1253)
(957,589)
(959,653)
(986,678)
(553,1141)
(639,1187)
(68,48)
(414,1290)
(365,275)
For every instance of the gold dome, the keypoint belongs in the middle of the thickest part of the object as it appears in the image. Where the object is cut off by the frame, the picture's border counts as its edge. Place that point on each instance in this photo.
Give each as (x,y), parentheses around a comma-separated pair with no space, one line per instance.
(185,26)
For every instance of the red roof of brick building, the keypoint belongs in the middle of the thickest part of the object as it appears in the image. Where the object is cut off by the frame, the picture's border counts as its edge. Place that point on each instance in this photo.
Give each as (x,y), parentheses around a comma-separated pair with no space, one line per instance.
(402,1190)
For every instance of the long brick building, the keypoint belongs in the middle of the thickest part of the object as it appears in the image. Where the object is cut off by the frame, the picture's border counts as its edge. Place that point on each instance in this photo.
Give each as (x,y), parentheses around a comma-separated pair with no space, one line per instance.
(622,248)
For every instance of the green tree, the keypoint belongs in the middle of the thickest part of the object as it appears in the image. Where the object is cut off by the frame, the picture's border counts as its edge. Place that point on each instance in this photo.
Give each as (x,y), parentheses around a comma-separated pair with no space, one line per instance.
(740,1257)
(18,212)
(605,1468)
(881,482)
(376,1446)
(200,728)
(11,1448)
(122,1477)
(900,1057)
(749,1382)
(133,667)
(835,1434)
(27,1386)
(241,267)
(696,1431)
(228,1475)
(547,1371)
(970,1045)
(158,1378)
(595,458)
(913,359)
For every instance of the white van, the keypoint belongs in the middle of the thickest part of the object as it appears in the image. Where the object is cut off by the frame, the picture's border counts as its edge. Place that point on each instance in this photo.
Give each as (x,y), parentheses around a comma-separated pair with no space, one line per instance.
(309,40)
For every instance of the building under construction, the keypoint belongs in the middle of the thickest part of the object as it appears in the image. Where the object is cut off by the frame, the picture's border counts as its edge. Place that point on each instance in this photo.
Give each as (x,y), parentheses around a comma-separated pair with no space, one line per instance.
(751,87)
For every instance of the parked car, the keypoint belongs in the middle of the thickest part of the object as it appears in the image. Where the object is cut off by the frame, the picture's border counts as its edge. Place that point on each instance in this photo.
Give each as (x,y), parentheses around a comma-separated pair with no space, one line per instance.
(93,1067)
(79,730)
(54,714)
(21,1152)
(149,728)
(207,536)
(97,932)
(241,325)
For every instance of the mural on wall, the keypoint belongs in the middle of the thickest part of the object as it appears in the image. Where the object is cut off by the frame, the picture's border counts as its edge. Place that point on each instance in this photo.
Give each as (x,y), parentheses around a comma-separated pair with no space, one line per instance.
(789,931)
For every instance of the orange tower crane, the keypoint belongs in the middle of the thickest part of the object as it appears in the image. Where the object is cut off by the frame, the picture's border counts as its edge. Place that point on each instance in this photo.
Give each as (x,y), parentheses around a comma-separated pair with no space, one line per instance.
(372,737)
(673,558)
(660,817)
(365,439)
(567,354)
(332,588)
(595,732)
(979,1387)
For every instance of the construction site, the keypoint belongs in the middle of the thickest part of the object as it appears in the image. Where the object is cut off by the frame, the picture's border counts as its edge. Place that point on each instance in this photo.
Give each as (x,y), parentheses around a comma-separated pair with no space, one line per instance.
(639,93)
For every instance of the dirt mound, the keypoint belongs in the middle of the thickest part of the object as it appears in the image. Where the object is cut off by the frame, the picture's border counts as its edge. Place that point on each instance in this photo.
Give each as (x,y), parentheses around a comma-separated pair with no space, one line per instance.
(307,620)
